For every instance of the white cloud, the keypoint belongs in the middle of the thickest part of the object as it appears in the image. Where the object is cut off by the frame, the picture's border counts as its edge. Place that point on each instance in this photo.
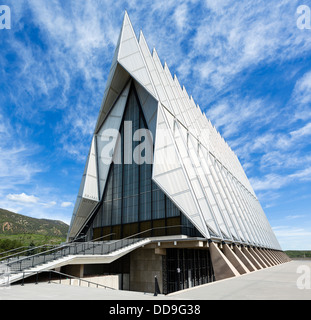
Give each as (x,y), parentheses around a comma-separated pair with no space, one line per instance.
(74,44)
(269,182)
(30,200)
(49,204)
(22,198)
(277,181)
(39,206)
(217,6)
(16,164)
(301,97)
(234,115)
(302,132)
(79,29)
(66,204)
(303,175)
(181,16)
(275,159)
(294,217)
(239,35)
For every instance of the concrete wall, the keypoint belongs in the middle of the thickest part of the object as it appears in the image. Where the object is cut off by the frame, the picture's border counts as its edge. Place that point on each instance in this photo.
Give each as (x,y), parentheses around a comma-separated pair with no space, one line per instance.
(145,265)
(76,270)
(233,261)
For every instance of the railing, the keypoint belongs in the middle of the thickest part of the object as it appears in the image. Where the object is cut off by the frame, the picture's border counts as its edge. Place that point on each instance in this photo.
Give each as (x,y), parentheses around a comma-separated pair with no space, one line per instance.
(28,252)
(60,278)
(78,248)
(136,237)
(13,250)
(24,253)
(53,254)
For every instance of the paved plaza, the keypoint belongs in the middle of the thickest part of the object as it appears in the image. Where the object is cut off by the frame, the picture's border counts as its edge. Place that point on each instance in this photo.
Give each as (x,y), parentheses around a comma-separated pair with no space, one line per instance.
(275,283)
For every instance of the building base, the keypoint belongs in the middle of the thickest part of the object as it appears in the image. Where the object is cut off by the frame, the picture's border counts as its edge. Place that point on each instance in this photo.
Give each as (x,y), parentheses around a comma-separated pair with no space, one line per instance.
(179,264)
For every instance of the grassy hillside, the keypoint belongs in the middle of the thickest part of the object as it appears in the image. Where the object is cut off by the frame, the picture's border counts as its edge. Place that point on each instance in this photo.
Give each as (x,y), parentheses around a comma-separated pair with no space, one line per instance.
(17,230)
(301,254)
(12,223)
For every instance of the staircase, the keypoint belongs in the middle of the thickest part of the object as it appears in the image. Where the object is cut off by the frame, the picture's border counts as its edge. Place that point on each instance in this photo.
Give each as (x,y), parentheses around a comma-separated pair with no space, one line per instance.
(19,267)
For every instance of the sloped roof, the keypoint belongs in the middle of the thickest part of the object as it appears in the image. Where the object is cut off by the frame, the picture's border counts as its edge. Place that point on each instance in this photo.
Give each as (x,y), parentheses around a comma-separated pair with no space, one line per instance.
(206,180)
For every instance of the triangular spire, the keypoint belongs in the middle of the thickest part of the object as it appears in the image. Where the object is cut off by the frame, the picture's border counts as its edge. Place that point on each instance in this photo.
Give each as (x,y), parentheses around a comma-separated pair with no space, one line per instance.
(128,61)
(116,81)
(131,57)
(149,62)
(127,31)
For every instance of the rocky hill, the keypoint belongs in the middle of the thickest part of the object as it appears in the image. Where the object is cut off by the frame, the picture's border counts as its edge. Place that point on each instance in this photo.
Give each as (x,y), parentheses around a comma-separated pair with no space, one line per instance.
(13,224)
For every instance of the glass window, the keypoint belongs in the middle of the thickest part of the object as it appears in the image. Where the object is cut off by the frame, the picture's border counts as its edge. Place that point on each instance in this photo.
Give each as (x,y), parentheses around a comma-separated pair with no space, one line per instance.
(132,202)
(171,209)
(158,204)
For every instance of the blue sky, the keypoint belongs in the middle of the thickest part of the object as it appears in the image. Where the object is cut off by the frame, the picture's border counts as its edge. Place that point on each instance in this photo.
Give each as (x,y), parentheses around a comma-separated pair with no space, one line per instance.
(246,63)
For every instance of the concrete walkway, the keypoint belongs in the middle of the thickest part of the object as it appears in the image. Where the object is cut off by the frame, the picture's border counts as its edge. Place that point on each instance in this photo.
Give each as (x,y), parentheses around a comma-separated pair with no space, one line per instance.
(54,291)
(276,283)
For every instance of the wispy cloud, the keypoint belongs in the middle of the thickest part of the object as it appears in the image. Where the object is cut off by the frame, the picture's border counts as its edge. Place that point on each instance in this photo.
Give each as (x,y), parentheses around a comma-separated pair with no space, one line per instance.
(275,181)
(181,16)
(22,198)
(30,200)
(66,69)
(233,115)
(66,204)
(16,164)
(301,97)
(294,217)
(302,132)
(293,237)
(270,182)
(42,206)
(240,35)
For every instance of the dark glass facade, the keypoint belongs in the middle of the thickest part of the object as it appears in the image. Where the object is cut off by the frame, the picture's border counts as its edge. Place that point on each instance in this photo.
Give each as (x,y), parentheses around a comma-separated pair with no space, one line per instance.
(186,268)
(132,203)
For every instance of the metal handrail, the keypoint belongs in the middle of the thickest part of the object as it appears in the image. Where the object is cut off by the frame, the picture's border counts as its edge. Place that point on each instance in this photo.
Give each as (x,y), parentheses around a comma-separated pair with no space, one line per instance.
(105,248)
(35,248)
(54,250)
(25,251)
(135,235)
(62,274)
(140,233)
(106,236)
(166,227)
(31,249)
(4,252)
